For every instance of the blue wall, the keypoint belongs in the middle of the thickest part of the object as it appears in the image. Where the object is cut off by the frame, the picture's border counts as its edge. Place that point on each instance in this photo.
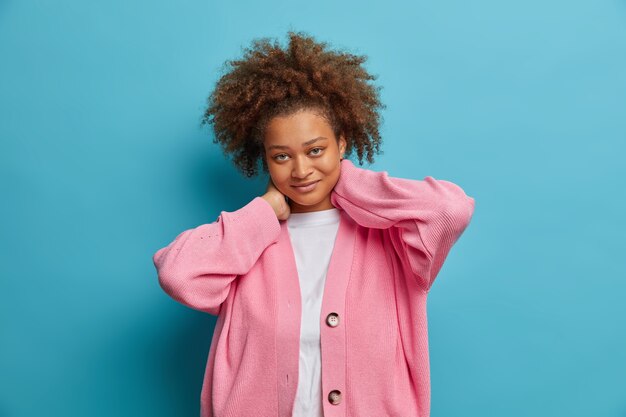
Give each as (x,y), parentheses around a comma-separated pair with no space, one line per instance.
(103,161)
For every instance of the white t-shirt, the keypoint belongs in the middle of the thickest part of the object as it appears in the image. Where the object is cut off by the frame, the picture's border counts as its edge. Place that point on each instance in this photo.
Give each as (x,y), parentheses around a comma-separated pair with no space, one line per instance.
(312,238)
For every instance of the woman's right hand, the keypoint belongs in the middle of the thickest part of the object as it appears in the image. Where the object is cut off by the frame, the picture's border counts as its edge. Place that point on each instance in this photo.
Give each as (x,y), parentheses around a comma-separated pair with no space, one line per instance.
(277,200)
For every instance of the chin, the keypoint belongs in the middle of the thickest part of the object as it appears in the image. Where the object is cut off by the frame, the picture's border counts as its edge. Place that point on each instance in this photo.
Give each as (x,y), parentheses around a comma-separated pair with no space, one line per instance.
(307,200)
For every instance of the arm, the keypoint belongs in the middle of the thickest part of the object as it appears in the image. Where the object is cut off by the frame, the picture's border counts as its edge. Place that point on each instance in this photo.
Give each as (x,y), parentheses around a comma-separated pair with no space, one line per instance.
(428,216)
(196,269)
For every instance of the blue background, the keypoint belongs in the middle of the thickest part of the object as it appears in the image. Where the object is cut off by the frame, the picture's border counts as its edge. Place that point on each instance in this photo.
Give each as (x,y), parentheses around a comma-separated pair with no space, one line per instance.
(104,161)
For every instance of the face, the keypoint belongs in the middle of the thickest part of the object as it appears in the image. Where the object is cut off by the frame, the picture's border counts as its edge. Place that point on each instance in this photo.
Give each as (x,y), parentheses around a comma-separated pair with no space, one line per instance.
(300,149)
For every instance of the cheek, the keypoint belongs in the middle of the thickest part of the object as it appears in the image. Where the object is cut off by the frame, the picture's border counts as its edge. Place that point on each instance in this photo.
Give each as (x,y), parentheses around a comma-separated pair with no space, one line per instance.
(280,177)
(331,168)
(329,162)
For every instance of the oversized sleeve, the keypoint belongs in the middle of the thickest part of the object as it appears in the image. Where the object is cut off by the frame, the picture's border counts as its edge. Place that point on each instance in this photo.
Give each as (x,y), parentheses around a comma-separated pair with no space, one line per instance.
(198,266)
(426,217)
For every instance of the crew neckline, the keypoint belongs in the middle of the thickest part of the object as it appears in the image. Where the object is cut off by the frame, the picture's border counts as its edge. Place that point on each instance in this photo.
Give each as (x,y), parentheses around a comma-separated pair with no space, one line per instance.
(314,218)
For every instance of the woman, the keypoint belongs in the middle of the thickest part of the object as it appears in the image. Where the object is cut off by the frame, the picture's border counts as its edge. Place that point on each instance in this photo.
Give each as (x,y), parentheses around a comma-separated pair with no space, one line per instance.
(320,284)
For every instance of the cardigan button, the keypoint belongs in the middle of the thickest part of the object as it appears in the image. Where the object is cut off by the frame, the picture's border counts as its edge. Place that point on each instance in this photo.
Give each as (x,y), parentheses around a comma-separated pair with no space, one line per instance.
(334,397)
(332,319)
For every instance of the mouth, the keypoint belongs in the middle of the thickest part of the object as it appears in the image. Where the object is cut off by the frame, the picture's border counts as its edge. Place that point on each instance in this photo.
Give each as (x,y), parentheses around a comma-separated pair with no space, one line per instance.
(306,187)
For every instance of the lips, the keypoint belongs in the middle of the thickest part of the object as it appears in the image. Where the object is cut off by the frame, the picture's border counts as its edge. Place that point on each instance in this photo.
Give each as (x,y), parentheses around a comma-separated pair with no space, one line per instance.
(305,188)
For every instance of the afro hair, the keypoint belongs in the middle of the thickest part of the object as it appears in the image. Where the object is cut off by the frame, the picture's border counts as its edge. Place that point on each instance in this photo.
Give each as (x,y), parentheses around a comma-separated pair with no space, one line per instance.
(269,81)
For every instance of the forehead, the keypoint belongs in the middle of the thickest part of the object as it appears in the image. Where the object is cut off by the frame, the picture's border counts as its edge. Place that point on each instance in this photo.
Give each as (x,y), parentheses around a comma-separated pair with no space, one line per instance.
(296,129)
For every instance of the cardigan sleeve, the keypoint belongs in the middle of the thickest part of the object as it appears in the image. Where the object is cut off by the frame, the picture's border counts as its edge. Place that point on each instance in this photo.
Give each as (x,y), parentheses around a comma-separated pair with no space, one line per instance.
(198,266)
(425,216)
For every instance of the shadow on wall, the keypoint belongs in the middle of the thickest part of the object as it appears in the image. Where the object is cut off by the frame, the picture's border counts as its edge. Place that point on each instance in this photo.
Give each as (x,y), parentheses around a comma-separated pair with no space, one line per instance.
(168,360)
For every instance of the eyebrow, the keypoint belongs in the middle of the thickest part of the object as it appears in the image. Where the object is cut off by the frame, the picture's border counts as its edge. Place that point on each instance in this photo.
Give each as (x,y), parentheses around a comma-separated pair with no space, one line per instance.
(307,143)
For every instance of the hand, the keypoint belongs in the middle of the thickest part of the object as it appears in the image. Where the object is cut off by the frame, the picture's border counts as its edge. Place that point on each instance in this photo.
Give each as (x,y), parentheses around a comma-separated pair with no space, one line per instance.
(277,200)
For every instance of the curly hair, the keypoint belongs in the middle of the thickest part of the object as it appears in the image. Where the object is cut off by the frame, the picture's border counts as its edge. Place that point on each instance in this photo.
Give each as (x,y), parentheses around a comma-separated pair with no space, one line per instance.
(269,81)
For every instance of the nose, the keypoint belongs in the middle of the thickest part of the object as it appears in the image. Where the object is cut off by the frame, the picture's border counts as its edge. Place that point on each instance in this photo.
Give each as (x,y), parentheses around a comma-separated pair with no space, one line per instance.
(301,168)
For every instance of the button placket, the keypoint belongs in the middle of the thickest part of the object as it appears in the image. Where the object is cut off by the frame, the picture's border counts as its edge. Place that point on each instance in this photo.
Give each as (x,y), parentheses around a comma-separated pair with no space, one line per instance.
(333,327)
(334,397)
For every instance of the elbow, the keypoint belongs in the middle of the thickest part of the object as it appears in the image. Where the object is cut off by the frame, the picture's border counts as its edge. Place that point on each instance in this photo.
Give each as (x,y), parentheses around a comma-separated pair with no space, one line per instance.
(458,214)
(169,282)
(459,205)
(167,278)
(470,205)
(183,290)
(204,292)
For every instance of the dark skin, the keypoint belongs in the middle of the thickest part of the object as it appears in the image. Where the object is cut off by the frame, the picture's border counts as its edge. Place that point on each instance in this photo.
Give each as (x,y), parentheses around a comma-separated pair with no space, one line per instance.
(299,149)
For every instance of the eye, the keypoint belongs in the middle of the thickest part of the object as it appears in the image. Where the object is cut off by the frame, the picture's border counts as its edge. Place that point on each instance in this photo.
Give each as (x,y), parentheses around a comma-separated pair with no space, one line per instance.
(278,157)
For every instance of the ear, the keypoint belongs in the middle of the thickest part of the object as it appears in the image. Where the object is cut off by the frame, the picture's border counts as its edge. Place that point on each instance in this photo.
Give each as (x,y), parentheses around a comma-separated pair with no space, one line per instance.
(342,145)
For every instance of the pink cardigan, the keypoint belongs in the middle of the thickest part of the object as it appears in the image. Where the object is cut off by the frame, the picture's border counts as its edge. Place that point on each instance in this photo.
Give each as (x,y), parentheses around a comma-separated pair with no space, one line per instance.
(394,235)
